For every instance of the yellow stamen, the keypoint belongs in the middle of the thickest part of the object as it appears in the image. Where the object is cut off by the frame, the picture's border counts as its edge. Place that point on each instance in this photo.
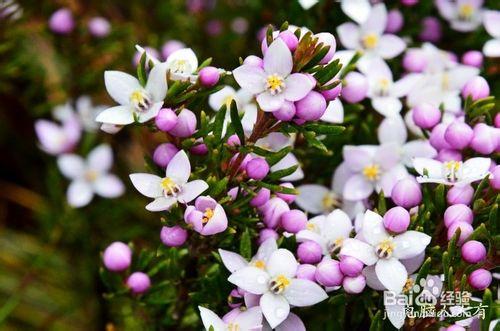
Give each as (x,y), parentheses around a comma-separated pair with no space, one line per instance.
(207,215)
(279,284)
(91,175)
(451,170)
(385,248)
(275,84)
(372,172)
(259,264)
(466,11)
(370,40)
(311,227)
(233,327)
(169,186)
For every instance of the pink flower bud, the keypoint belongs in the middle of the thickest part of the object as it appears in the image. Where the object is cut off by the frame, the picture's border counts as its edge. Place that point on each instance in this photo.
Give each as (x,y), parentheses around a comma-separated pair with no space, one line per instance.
(406,193)
(164,153)
(233,193)
(485,139)
(199,148)
(309,252)
(294,220)
(290,39)
(166,119)
(99,27)
(431,29)
(138,282)
(171,46)
(261,198)
(446,155)
(311,107)
(306,271)
(473,58)
(397,219)
(409,3)
(460,194)
(414,60)
(288,198)
(328,273)
(328,40)
(62,21)
(458,213)
(286,112)
(257,168)
(233,140)
(355,87)
(395,21)
(426,116)
(186,124)
(265,234)
(350,266)
(495,178)
(480,279)
(497,120)
(272,211)
(477,88)
(437,137)
(173,236)
(333,93)
(473,252)
(465,231)
(117,256)
(455,327)
(209,76)
(253,60)
(458,135)
(354,285)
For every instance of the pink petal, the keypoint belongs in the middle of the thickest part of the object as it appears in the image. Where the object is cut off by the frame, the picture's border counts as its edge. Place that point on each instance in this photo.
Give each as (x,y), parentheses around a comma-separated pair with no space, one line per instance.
(297,87)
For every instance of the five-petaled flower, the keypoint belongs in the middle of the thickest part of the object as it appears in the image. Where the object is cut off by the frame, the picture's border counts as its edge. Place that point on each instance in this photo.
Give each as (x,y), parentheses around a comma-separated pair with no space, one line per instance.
(452,172)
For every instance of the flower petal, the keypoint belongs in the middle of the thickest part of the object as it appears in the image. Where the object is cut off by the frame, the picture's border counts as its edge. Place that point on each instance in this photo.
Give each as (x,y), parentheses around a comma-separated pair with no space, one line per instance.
(269,102)
(396,314)
(232,261)
(291,323)
(184,55)
(334,113)
(491,20)
(72,166)
(297,86)
(250,78)
(371,278)
(303,293)
(275,308)
(161,204)
(357,10)
(79,193)
(217,223)
(492,48)
(310,198)
(337,225)
(119,115)
(405,85)
(147,184)
(392,274)
(288,161)
(376,21)
(387,106)
(373,229)
(278,59)
(143,117)
(349,35)
(282,262)
(430,168)
(100,158)
(417,148)
(357,188)
(250,319)
(410,244)
(390,46)
(210,319)
(179,168)
(157,82)
(357,157)
(390,178)
(360,250)
(266,249)
(120,86)
(251,279)
(476,168)
(109,186)
(392,129)
(192,190)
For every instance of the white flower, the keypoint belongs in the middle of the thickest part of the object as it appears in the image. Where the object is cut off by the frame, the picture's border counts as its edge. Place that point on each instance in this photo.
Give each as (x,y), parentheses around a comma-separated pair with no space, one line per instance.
(328,231)
(383,91)
(307,4)
(452,172)
(357,10)
(90,176)
(174,187)
(278,286)
(234,262)
(464,15)
(136,101)
(492,25)
(248,320)
(368,37)
(182,64)
(87,113)
(384,251)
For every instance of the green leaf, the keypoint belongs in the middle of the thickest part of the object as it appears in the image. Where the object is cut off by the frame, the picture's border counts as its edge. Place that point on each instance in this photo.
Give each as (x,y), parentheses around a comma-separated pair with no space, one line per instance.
(487,303)
(277,188)
(274,158)
(314,142)
(376,324)
(424,270)
(282,173)
(482,185)
(236,122)
(219,122)
(440,197)
(269,35)
(382,207)
(141,70)
(325,128)
(246,245)
(219,187)
(204,64)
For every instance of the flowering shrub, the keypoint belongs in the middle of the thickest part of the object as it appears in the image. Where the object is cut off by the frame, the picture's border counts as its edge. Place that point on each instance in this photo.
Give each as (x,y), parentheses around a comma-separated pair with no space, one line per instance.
(338,179)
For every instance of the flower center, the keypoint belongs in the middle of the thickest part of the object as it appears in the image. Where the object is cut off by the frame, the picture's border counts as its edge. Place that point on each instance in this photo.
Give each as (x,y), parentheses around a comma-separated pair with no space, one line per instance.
(170,188)
(445,81)
(227,101)
(278,284)
(330,201)
(383,86)
(335,246)
(207,215)
(91,175)
(370,40)
(372,172)
(311,227)
(385,248)
(465,12)
(275,84)
(140,100)
(181,66)
(233,327)
(452,170)
(259,264)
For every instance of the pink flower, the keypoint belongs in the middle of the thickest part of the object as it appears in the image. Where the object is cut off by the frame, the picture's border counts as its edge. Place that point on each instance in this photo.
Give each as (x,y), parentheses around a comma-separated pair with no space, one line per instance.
(206,216)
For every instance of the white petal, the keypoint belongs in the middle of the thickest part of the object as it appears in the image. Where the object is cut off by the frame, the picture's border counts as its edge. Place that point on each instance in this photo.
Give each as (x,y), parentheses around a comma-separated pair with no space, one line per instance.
(310,198)
(460,75)
(340,177)
(303,293)
(157,82)
(373,229)
(392,129)
(357,188)
(278,59)
(119,115)
(417,148)
(492,48)
(432,168)
(349,35)
(219,98)
(251,279)
(282,262)
(266,249)
(410,244)
(147,184)
(210,319)
(288,161)
(232,261)
(412,264)
(305,235)
(161,204)
(269,102)
(405,85)
(120,86)
(390,46)
(357,157)
(371,278)
(376,21)
(250,319)
(79,193)
(392,274)
(71,165)
(192,190)
(100,158)
(390,178)
(387,106)
(291,323)
(360,250)
(306,4)
(491,20)
(357,10)
(275,308)
(396,314)
(179,168)
(143,117)
(334,113)
(476,168)
(297,87)
(336,225)
(109,186)
(250,78)
(184,54)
